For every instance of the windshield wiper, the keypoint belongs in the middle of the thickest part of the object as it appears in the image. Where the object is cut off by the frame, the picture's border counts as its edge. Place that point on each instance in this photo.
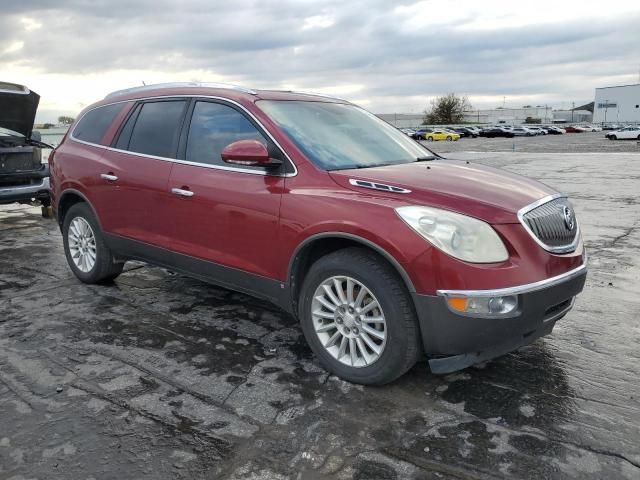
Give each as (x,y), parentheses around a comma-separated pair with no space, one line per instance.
(425,159)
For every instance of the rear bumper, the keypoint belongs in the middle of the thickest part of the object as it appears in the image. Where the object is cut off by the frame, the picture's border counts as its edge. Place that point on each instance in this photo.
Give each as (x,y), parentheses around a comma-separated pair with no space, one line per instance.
(455,341)
(38,187)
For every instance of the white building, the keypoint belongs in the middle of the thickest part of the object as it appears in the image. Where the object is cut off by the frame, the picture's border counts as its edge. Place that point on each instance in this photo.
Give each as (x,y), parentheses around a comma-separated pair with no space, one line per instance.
(572,116)
(619,104)
(511,116)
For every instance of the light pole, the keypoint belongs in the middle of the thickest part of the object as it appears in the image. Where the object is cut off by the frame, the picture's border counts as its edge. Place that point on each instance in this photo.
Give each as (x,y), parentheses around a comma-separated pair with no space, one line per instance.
(606,106)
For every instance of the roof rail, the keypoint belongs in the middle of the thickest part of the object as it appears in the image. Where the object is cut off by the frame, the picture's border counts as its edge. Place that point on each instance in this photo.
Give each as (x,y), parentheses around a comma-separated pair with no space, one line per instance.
(323,95)
(156,86)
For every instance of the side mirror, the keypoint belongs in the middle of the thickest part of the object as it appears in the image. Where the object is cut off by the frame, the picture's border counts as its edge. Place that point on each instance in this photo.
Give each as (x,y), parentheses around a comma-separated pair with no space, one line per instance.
(35,135)
(247,152)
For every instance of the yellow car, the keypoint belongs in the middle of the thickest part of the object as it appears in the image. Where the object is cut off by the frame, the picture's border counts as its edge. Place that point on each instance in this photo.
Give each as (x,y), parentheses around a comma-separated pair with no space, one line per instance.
(442,135)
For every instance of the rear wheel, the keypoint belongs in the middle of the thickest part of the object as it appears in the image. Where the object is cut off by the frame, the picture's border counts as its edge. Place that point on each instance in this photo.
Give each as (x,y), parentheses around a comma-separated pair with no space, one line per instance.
(87,254)
(358,317)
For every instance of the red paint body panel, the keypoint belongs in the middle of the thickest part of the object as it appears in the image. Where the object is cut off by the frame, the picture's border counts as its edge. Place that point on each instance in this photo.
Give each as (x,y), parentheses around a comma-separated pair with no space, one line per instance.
(255,223)
(232,218)
(489,194)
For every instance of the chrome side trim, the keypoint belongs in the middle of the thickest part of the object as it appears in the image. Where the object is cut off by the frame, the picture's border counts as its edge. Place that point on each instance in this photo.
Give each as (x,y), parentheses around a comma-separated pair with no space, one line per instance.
(186,162)
(157,86)
(530,287)
(563,249)
(383,187)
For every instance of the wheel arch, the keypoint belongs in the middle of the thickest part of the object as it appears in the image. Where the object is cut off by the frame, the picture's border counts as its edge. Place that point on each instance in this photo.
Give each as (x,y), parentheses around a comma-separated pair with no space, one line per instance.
(320,244)
(68,198)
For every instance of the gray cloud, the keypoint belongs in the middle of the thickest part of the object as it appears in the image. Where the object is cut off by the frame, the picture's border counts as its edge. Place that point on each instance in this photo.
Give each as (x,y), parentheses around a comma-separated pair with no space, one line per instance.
(262,44)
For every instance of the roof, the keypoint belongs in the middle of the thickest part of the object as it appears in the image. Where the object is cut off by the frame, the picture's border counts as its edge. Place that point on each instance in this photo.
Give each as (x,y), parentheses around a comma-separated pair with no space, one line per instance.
(618,86)
(233,92)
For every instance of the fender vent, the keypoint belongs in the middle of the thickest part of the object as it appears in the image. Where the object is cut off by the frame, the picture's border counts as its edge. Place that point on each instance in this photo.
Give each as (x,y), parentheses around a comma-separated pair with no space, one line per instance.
(378,186)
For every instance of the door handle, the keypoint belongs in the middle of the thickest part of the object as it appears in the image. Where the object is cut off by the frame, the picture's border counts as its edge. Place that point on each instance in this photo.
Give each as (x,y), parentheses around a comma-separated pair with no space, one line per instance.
(108,176)
(182,192)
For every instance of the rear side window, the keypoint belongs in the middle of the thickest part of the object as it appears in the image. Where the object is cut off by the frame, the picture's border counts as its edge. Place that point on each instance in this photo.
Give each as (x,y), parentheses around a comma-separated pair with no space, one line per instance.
(95,123)
(213,127)
(153,129)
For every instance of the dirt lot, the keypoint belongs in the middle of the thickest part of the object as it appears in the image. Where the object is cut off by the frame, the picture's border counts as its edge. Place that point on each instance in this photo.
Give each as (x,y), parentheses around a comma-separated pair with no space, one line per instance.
(588,142)
(159,376)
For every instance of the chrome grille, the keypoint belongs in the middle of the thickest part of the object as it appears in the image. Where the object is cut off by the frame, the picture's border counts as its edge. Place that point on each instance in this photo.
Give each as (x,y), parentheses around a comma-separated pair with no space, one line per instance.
(552,224)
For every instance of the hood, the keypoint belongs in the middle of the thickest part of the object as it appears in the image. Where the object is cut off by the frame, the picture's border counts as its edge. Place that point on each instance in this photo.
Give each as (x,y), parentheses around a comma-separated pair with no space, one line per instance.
(489,194)
(18,107)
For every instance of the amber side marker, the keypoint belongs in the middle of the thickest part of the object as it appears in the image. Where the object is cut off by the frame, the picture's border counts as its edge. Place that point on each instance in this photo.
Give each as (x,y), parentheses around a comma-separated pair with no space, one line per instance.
(457,303)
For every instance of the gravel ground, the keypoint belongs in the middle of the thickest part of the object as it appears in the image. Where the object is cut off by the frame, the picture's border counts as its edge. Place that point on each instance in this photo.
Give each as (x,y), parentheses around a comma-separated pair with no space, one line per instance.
(159,376)
(588,142)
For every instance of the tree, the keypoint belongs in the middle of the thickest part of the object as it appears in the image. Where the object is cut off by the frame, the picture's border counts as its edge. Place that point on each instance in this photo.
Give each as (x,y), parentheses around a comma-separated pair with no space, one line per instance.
(65,120)
(447,109)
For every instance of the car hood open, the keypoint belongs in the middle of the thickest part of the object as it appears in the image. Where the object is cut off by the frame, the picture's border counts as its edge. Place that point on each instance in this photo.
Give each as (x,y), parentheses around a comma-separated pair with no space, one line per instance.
(18,106)
(489,194)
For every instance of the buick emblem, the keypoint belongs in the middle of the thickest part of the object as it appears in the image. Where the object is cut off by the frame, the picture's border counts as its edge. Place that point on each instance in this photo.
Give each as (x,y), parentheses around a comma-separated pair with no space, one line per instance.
(569,221)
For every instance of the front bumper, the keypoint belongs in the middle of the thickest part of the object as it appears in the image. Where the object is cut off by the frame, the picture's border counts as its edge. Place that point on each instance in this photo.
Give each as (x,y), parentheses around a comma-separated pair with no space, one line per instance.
(455,341)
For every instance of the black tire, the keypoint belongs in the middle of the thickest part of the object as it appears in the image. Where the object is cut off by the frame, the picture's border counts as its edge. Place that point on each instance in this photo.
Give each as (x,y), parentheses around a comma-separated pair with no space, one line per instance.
(403,343)
(106,268)
(613,137)
(429,139)
(449,138)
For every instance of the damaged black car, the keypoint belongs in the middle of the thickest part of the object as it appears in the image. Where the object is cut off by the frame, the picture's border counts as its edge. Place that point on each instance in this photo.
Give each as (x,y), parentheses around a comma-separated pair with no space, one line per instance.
(24,177)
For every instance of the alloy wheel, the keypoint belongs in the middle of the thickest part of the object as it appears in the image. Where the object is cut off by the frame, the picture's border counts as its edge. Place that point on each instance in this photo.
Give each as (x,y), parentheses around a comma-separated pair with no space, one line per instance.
(349,321)
(82,244)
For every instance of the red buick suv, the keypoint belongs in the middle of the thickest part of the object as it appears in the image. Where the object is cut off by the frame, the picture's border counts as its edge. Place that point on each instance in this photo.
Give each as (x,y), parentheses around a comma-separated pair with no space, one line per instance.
(384,251)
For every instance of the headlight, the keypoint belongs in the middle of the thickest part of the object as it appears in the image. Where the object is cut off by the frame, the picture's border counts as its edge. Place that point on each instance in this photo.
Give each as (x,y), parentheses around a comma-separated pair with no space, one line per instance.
(462,237)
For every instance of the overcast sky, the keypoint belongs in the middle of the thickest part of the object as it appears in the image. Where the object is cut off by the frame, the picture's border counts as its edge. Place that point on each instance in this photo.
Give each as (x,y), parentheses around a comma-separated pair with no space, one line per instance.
(388,56)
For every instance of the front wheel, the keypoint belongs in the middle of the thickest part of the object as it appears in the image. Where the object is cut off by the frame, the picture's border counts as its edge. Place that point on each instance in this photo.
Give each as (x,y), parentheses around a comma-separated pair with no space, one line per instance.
(613,137)
(429,139)
(358,317)
(449,139)
(87,254)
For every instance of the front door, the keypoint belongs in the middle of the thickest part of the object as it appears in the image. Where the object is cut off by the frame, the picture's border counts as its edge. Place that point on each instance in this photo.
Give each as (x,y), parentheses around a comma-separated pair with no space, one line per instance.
(219,213)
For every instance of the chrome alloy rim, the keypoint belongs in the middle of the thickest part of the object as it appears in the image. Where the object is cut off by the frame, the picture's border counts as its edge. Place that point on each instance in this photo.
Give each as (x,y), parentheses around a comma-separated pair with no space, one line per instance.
(82,244)
(349,321)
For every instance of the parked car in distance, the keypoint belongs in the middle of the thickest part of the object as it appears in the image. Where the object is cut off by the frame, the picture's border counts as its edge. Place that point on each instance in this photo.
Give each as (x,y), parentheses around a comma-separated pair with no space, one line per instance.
(627,133)
(612,126)
(443,134)
(591,128)
(23,176)
(383,251)
(554,130)
(522,132)
(537,130)
(421,133)
(574,129)
(408,131)
(493,132)
(466,132)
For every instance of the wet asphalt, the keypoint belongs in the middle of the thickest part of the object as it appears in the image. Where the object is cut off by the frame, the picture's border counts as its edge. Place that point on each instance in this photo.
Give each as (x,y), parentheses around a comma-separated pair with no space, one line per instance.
(160,376)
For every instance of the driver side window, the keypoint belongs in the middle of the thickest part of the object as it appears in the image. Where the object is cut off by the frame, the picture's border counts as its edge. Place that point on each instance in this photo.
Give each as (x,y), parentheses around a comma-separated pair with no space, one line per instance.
(213,127)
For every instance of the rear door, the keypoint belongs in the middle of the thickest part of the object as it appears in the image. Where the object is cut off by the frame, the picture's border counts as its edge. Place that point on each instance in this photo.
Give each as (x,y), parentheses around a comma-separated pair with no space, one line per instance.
(229,214)
(134,179)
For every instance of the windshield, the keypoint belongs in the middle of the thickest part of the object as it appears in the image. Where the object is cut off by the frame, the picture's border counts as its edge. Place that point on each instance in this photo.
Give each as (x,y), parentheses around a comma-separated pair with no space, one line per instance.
(336,136)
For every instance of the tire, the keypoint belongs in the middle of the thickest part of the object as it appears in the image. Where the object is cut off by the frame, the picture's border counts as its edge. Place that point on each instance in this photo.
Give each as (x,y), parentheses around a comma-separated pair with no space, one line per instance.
(429,139)
(613,137)
(401,347)
(104,267)
(449,139)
